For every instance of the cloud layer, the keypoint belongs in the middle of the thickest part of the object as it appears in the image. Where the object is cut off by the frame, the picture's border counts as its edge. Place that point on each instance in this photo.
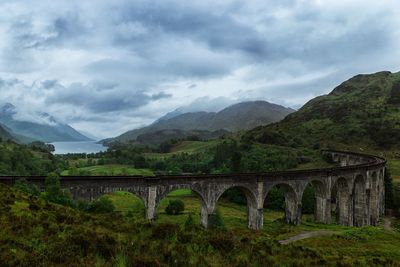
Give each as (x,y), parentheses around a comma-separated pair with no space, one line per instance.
(109,66)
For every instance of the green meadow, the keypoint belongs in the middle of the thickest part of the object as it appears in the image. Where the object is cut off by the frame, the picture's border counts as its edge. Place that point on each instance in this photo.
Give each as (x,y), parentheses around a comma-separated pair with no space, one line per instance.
(108,170)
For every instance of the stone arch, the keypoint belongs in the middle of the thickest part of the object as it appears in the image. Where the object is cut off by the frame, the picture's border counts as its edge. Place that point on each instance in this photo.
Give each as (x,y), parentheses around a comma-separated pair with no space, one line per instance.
(169,189)
(166,190)
(322,212)
(92,192)
(359,201)
(254,209)
(292,202)
(341,195)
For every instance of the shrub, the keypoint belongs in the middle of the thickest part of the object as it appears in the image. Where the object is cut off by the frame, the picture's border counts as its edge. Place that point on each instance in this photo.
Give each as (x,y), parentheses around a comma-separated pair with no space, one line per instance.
(189,221)
(82,205)
(54,193)
(275,199)
(101,205)
(215,221)
(175,207)
(22,185)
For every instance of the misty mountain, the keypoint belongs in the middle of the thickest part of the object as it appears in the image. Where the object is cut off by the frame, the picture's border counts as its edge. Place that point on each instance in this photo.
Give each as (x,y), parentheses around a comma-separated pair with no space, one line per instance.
(242,116)
(5,134)
(44,128)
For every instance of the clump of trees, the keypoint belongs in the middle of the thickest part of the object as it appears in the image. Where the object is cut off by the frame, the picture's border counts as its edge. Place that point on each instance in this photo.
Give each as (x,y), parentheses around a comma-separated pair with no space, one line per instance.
(101,205)
(16,159)
(175,207)
(54,193)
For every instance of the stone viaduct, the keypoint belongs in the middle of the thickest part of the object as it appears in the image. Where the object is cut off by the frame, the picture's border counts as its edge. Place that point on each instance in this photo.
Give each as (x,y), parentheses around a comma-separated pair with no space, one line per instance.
(355,190)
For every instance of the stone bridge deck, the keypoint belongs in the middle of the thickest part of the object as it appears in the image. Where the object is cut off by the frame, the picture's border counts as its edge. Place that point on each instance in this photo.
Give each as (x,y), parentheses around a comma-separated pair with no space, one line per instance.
(355,190)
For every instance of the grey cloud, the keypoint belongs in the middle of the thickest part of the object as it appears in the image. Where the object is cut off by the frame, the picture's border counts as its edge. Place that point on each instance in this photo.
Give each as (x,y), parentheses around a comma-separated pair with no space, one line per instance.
(48,84)
(89,63)
(113,99)
(160,95)
(210,104)
(59,31)
(219,30)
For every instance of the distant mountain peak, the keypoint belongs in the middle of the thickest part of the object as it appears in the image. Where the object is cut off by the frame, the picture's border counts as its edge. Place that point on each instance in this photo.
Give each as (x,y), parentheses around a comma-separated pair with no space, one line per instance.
(49,118)
(8,108)
(240,116)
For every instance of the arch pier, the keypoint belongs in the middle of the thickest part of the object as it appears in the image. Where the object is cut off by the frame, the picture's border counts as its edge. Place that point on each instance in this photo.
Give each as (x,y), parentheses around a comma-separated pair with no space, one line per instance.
(354,191)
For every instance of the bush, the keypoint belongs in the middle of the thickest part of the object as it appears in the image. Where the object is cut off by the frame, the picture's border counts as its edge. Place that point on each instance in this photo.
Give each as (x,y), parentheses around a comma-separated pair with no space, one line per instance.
(215,221)
(82,205)
(275,199)
(22,185)
(54,193)
(189,221)
(175,207)
(101,205)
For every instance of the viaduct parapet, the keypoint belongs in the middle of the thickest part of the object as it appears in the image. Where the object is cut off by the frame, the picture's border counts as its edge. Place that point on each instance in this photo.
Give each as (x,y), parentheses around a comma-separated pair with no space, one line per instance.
(354,191)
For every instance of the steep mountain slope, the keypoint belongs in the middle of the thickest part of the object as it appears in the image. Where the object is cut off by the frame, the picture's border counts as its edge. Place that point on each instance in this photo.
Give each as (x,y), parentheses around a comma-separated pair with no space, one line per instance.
(237,117)
(361,112)
(4,134)
(247,115)
(47,129)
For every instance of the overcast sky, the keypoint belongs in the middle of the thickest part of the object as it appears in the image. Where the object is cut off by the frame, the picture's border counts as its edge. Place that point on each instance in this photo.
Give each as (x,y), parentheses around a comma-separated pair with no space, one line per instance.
(106,67)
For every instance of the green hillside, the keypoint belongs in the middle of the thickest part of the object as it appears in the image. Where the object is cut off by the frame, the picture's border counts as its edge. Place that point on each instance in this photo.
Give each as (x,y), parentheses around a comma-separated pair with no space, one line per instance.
(363,112)
(16,159)
(34,232)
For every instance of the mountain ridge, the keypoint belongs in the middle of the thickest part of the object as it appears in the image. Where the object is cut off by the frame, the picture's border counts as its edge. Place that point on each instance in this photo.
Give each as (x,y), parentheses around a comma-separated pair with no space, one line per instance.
(5,134)
(241,116)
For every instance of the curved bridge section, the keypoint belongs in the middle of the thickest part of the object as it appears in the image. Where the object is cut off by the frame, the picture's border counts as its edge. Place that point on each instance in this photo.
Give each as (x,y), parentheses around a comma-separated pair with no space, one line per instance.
(355,190)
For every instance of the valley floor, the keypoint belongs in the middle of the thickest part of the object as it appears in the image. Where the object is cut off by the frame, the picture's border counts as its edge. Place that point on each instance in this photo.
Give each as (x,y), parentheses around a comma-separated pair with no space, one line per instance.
(333,241)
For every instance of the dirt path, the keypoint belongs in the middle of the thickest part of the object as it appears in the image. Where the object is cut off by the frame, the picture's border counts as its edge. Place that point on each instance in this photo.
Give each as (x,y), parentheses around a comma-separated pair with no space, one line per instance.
(304,235)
